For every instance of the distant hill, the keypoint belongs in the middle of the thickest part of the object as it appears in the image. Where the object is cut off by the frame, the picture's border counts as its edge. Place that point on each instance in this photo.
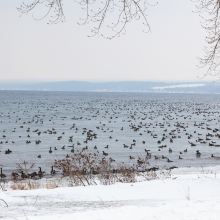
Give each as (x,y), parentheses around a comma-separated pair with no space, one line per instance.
(122,86)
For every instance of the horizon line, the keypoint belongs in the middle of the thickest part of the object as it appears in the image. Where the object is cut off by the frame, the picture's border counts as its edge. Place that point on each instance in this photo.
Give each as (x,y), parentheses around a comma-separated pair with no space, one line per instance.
(102,81)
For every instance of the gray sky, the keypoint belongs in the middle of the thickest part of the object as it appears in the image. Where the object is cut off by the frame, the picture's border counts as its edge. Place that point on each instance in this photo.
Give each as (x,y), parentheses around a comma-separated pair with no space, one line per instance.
(31,50)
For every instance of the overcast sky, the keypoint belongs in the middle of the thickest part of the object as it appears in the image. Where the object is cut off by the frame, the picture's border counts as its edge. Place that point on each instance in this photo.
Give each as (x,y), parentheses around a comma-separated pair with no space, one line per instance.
(32,50)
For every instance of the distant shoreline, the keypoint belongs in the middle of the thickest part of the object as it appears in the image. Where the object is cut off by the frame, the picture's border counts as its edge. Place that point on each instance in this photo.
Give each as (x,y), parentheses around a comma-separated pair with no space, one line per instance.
(111,92)
(113,87)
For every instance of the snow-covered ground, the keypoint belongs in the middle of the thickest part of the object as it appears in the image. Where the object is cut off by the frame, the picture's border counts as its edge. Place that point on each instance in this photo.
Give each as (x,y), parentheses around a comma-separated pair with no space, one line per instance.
(189,194)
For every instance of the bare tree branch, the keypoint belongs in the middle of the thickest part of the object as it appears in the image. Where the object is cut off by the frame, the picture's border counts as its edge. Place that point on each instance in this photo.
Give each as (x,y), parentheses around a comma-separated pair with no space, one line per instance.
(109,18)
(209,11)
(53,9)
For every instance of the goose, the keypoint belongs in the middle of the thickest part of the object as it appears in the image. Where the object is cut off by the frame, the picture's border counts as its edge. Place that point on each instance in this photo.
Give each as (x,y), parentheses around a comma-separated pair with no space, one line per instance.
(152,169)
(125,146)
(23,175)
(32,175)
(139,161)
(14,175)
(111,160)
(8,151)
(198,154)
(40,173)
(2,175)
(104,153)
(215,157)
(192,144)
(131,158)
(52,172)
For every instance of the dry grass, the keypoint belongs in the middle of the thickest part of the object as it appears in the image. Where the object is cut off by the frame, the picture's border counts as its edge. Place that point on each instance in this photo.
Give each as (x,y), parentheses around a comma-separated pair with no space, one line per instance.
(33,184)
(27,185)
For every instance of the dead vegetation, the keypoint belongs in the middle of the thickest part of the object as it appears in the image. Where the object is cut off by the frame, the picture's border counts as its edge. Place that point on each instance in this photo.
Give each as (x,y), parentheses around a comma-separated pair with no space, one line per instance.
(32,184)
(84,168)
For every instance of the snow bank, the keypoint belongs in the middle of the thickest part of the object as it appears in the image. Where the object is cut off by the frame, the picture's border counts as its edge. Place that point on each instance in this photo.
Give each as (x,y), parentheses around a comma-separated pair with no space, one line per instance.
(189,194)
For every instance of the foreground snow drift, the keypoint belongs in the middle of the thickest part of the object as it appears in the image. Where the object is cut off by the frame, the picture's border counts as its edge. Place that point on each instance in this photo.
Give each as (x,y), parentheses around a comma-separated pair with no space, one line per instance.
(189,194)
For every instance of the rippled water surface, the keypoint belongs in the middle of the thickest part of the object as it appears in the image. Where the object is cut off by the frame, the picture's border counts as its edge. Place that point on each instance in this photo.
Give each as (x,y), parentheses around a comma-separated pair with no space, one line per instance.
(128,123)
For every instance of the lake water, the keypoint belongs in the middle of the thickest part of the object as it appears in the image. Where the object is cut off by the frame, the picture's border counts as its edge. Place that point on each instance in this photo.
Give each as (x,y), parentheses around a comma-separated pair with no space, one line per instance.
(117,119)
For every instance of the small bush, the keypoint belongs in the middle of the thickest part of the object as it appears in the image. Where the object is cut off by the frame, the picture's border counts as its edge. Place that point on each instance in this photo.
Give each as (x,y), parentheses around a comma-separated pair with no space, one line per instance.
(80,167)
(85,168)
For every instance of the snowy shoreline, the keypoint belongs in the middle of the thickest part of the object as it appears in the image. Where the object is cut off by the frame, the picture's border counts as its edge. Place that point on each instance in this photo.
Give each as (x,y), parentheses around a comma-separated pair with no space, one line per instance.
(189,193)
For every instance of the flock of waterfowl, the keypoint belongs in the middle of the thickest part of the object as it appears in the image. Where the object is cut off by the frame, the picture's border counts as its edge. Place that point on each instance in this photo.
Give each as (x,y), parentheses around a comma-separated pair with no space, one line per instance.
(169,130)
